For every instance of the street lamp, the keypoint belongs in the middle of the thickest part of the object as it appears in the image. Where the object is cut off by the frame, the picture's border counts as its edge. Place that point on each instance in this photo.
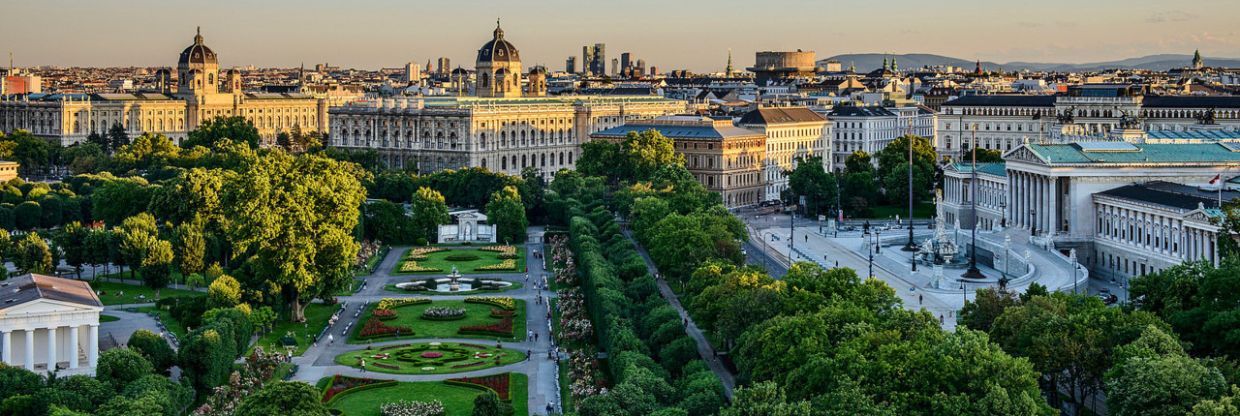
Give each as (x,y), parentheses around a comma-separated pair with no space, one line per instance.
(1033,225)
(878,246)
(1003,214)
(910,246)
(869,252)
(973,272)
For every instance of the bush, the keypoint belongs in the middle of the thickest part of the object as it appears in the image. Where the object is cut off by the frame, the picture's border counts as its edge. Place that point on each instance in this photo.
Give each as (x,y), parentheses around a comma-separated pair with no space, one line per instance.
(461,257)
(443,313)
(154,348)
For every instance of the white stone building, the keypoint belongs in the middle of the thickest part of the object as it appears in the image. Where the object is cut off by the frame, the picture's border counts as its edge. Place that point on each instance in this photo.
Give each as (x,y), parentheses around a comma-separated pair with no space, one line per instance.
(49,323)
(870,129)
(992,195)
(792,134)
(1148,227)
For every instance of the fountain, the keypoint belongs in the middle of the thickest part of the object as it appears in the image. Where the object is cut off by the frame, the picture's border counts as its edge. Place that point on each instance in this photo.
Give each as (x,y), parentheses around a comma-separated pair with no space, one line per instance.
(939,250)
(454,283)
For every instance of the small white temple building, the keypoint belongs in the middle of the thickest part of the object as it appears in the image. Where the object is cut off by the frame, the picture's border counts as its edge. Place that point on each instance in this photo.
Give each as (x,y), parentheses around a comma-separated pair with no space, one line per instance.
(470,226)
(49,323)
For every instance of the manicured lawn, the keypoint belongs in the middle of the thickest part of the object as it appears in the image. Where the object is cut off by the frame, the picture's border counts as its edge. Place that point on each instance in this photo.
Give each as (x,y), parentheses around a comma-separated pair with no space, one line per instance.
(317,315)
(393,288)
(115,293)
(438,260)
(174,326)
(415,358)
(410,316)
(108,318)
(457,400)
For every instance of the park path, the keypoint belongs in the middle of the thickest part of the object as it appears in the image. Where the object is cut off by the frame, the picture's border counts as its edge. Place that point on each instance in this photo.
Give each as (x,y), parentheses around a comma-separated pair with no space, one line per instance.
(705,349)
(319,360)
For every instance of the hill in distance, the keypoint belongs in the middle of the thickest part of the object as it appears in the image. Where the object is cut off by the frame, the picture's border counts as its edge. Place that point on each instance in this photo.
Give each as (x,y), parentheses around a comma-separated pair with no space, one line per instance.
(866,62)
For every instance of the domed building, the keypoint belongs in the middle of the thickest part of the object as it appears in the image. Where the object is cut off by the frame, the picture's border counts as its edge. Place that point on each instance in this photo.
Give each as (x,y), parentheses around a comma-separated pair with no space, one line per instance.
(173,104)
(498,68)
(537,82)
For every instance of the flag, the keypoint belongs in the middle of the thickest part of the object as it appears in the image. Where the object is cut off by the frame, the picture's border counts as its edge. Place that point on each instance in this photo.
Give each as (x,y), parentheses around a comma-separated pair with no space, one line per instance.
(1216,179)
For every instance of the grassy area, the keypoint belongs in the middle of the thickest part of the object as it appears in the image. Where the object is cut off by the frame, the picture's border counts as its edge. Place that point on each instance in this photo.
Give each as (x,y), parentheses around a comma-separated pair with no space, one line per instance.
(438,260)
(108,318)
(173,325)
(415,359)
(922,210)
(317,315)
(393,288)
(116,293)
(475,314)
(457,400)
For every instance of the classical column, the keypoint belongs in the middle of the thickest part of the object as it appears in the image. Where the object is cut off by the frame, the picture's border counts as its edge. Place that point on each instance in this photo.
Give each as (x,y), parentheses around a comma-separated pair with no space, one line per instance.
(6,347)
(73,346)
(1054,204)
(92,346)
(30,349)
(51,349)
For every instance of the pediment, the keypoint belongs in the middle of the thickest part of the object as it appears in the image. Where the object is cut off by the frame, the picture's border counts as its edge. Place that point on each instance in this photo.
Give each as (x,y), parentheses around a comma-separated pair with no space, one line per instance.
(1023,154)
(46,306)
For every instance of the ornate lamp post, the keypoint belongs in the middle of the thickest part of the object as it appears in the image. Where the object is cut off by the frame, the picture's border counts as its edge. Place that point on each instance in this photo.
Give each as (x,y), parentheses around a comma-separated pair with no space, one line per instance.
(973,272)
(910,246)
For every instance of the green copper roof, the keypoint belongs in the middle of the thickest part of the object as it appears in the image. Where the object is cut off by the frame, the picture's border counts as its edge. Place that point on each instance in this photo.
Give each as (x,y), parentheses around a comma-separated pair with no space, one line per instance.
(1138,153)
(997,169)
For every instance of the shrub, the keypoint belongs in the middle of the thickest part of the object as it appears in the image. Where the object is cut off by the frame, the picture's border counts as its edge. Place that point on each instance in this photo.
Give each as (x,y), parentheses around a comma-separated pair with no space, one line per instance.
(498,301)
(461,257)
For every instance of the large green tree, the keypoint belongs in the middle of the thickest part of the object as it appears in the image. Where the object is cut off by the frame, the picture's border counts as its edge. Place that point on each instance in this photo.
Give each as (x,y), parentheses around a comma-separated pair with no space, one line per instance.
(428,210)
(507,214)
(235,128)
(646,152)
(32,255)
(283,398)
(293,220)
(893,168)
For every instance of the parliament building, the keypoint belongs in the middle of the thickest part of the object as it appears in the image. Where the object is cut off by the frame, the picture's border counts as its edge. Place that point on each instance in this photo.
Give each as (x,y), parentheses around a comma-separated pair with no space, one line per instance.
(181,102)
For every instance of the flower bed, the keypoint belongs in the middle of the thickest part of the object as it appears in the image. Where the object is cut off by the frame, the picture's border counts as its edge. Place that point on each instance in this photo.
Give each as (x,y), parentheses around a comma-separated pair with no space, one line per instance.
(508,264)
(374,328)
(498,383)
(431,358)
(411,266)
(340,384)
(443,313)
(505,251)
(420,253)
(461,257)
(393,303)
(501,328)
(498,301)
(384,314)
(431,354)
(412,408)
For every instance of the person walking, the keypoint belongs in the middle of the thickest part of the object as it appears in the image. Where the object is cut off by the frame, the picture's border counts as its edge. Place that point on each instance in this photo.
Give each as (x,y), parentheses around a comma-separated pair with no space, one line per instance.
(363,365)
(920,298)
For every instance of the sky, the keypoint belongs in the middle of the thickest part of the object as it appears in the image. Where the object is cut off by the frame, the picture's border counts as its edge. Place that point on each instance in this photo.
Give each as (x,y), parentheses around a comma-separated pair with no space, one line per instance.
(671,34)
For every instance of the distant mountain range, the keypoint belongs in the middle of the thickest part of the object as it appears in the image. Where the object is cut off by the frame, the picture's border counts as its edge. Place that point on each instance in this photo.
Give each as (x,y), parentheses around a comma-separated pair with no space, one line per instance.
(866,62)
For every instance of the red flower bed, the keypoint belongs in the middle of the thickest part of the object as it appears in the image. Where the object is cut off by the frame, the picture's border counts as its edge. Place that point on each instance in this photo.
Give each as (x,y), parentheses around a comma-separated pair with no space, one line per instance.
(503,328)
(375,328)
(500,313)
(497,383)
(341,383)
(384,314)
(473,364)
(432,354)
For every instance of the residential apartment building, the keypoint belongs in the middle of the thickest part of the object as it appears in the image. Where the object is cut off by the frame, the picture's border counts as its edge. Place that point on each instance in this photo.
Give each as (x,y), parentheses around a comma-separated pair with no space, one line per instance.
(792,134)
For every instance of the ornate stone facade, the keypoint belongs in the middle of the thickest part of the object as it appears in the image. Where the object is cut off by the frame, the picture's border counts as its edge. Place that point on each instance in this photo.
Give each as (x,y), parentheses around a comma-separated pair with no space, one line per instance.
(174,109)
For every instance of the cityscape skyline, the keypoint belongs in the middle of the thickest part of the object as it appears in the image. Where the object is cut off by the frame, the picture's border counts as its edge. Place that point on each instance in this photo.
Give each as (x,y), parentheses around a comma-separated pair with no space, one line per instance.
(318,32)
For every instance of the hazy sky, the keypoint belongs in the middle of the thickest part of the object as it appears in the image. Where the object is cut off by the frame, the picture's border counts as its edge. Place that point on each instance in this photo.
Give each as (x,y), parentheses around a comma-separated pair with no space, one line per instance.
(672,34)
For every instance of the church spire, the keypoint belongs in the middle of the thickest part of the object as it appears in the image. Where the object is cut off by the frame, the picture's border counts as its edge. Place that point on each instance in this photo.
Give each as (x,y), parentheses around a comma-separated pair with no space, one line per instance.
(729,68)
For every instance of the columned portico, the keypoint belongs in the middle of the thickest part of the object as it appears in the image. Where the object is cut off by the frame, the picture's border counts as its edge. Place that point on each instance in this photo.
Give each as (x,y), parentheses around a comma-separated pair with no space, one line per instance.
(49,314)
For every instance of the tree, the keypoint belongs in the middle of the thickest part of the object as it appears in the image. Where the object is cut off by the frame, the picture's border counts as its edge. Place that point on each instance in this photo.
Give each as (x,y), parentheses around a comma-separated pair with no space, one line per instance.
(28,215)
(488,404)
(765,399)
(190,249)
(135,236)
(157,265)
(507,214)
(1157,386)
(120,366)
(154,348)
(207,354)
(33,153)
(858,162)
(980,313)
(99,140)
(283,398)
(224,292)
(32,255)
(599,158)
(428,210)
(893,167)
(387,222)
(117,199)
(236,128)
(95,247)
(72,243)
(647,151)
(117,136)
(293,218)
(533,192)
(818,187)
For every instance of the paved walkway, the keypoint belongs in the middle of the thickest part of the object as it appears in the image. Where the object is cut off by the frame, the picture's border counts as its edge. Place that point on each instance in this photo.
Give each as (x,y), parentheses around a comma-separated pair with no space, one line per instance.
(707,351)
(319,360)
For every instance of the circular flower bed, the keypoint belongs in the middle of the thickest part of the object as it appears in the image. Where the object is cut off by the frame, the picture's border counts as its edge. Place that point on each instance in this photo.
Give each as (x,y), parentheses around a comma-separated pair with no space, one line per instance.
(424,358)
(461,257)
(432,354)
